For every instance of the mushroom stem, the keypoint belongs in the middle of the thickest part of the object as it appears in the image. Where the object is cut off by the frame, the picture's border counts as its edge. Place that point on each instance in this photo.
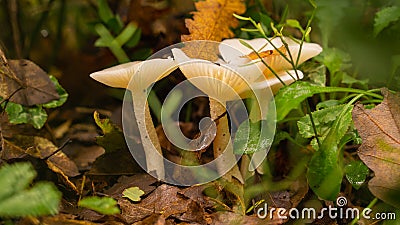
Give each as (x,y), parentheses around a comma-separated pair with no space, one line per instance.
(148,136)
(222,142)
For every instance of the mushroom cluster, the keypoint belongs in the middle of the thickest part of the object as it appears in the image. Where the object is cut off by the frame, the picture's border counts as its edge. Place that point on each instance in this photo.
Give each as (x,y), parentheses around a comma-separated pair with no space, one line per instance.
(232,77)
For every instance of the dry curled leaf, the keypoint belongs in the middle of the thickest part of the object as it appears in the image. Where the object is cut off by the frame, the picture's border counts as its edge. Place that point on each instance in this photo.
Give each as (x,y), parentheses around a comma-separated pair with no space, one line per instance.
(25,83)
(379,129)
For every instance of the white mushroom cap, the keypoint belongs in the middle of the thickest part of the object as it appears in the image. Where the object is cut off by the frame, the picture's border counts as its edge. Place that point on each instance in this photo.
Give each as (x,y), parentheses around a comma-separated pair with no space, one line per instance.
(277,62)
(225,81)
(148,72)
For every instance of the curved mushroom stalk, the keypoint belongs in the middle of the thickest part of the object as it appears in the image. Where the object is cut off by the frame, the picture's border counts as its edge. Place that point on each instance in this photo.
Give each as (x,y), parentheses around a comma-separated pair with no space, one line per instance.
(137,77)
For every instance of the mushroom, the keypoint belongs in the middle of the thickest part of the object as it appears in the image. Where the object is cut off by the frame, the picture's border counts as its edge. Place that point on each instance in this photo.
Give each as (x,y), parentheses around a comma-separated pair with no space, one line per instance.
(137,77)
(222,83)
(275,54)
(236,72)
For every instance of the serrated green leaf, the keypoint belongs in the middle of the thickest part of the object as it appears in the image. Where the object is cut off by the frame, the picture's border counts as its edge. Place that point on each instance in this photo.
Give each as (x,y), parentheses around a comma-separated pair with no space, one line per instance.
(318,75)
(249,138)
(323,120)
(103,205)
(14,178)
(356,173)
(61,92)
(133,193)
(17,201)
(384,17)
(18,114)
(113,138)
(42,199)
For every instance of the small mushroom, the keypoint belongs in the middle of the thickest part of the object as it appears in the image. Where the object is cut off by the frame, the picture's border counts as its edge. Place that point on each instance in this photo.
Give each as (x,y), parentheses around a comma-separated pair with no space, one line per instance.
(137,77)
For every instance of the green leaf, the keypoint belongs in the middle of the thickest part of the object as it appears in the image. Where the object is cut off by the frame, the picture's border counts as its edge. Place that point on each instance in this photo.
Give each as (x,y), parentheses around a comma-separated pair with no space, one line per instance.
(17,201)
(318,75)
(18,114)
(290,96)
(294,24)
(14,178)
(126,34)
(104,11)
(104,205)
(61,92)
(384,17)
(323,120)
(113,138)
(133,193)
(249,138)
(347,79)
(325,172)
(41,199)
(334,59)
(356,173)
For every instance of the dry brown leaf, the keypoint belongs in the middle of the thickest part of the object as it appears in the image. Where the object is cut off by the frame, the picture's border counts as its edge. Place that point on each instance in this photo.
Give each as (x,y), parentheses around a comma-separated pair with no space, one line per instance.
(380,150)
(211,22)
(25,83)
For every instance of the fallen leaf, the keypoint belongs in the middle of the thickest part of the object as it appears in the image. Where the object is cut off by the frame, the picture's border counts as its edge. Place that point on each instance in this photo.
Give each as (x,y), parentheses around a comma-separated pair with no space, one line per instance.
(380,149)
(143,181)
(133,193)
(213,20)
(34,83)
(165,200)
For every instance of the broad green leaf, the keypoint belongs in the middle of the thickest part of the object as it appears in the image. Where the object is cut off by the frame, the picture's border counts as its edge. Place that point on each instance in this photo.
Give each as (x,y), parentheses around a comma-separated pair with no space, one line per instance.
(325,172)
(249,138)
(290,96)
(17,201)
(103,205)
(14,178)
(113,138)
(384,17)
(323,121)
(133,193)
(356,173)
(18,114)
(327,104)
(61,92)
(42,199)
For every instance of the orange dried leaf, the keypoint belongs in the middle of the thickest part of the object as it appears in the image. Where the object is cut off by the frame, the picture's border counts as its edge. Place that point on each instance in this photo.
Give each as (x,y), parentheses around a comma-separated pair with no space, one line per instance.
(213,20)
